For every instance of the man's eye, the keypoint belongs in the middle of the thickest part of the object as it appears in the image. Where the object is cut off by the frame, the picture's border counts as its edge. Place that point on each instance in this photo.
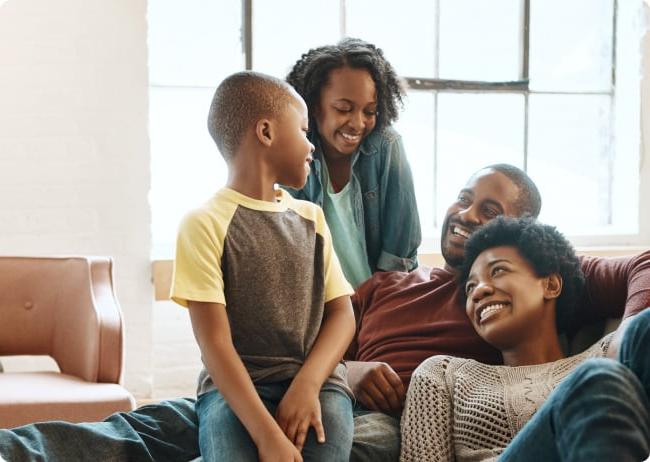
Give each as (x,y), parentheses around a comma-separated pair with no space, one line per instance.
(498,269)
(492,213)
(343,110)
(469,288)
(463,200)
(370,113)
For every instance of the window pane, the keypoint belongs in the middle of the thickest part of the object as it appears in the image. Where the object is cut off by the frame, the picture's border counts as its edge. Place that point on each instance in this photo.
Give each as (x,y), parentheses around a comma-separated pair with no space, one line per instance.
(416,127)
(569,159)
(194,42)
(571,45)
(285,29)
(406,34)
(475,130)
(186,168)
(480,40)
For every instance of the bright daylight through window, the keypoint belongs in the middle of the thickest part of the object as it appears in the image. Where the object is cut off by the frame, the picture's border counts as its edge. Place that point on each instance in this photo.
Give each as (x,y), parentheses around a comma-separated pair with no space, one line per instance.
(551,86)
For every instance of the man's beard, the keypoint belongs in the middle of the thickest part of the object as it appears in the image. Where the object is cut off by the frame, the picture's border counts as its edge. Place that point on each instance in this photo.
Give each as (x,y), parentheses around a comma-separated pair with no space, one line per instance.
(452,259)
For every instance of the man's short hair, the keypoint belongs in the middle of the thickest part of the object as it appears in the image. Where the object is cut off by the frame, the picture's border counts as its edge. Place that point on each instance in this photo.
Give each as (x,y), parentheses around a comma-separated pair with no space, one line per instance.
(240,101)
(529,202)
(542,246)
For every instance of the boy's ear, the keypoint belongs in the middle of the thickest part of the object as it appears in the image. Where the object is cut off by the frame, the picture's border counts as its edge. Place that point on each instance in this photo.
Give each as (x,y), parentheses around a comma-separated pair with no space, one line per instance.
(552,286)
(264,131)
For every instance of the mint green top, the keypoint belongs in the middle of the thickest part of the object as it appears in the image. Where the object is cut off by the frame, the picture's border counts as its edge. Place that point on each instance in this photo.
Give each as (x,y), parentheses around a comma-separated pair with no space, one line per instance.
(349,244)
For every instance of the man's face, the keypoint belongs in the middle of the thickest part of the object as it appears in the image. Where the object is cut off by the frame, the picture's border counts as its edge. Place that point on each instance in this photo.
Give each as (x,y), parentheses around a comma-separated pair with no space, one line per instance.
(487,194)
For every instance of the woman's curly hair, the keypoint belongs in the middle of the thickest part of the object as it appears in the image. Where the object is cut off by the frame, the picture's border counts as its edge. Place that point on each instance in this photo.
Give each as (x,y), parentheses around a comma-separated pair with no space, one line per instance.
(543,246)
(311,73)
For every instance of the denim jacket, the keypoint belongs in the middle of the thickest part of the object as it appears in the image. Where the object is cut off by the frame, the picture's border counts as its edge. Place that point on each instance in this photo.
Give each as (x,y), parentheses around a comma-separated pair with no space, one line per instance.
(383,199)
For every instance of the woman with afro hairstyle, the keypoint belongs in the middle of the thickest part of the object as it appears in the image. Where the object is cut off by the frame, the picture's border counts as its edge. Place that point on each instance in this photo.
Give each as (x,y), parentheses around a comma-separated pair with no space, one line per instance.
(521,281)
(360,175)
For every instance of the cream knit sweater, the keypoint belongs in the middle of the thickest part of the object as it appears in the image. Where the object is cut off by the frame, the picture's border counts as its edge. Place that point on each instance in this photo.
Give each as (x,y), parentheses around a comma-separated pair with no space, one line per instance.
(462,410)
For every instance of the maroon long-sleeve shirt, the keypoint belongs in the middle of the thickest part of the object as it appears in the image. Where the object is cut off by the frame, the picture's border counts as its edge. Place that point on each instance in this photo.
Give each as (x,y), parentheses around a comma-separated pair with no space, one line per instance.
(404,318)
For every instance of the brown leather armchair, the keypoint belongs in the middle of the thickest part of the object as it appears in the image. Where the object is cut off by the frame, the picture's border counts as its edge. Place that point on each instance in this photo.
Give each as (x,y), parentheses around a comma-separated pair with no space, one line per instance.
(64,307)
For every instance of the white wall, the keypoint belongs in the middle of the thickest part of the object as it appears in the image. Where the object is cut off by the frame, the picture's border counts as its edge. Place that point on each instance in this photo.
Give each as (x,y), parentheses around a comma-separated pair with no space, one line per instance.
(74,152)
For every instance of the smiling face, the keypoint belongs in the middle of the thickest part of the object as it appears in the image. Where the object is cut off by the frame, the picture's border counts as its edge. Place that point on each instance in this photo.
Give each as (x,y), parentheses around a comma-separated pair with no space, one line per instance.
(292,149)
(507,303)
(346,112)
(488,194)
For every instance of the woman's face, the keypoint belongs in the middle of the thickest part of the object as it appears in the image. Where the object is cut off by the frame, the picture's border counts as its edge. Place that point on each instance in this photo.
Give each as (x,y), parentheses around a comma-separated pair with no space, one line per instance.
(346,112)
(506,299)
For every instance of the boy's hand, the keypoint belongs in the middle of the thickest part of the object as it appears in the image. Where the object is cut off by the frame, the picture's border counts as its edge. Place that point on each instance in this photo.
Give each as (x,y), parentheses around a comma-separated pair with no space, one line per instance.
(277,448)
(299,410)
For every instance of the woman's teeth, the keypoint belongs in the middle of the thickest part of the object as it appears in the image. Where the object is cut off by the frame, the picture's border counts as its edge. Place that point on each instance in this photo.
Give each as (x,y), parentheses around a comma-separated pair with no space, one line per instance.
(351,137)
(487,312)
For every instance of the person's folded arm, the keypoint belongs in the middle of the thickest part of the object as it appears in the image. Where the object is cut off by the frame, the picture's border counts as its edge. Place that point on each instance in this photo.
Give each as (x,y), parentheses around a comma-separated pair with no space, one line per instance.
(614,287)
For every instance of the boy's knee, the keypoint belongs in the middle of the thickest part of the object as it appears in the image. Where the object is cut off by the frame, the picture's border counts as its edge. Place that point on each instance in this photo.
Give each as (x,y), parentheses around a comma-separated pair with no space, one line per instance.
(639,328)
(336,411)
(598,376)
(598,368)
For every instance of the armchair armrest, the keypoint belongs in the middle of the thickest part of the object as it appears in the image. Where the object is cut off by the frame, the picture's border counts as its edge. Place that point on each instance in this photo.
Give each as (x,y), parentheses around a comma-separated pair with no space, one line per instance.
(64,307)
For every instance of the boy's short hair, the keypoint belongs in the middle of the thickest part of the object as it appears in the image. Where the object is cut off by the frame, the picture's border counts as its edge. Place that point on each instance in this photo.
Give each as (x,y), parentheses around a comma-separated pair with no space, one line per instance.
(543,246)
(239,102)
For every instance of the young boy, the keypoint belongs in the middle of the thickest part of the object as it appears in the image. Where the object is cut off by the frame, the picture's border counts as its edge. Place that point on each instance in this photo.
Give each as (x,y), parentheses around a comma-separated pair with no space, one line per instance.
(268,301)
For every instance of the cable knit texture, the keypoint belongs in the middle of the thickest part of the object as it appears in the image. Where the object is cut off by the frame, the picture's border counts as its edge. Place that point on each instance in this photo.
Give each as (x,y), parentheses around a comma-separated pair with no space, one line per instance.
(462,410)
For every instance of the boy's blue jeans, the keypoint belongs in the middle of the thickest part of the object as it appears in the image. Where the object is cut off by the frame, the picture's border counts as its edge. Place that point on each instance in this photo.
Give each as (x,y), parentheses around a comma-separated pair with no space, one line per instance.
(223,437)
(600,412)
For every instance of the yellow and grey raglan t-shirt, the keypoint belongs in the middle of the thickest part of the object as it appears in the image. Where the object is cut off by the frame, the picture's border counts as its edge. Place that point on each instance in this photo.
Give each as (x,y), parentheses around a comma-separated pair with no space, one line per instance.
(273,266)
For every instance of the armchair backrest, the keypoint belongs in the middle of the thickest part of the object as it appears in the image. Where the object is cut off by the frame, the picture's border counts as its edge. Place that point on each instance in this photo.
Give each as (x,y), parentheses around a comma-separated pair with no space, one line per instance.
(64,307)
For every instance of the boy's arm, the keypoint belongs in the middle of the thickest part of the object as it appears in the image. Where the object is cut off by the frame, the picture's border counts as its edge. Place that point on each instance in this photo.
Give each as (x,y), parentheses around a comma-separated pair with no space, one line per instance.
(300,408)
(212,332)
(351,351)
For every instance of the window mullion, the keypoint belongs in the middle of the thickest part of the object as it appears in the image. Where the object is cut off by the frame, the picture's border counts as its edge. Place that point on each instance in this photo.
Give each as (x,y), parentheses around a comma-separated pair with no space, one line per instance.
(525,61)
(419,83)
(247,33)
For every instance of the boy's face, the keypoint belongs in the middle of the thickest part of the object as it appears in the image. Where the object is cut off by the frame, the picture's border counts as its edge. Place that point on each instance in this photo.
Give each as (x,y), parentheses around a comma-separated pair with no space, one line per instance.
(292,153)
(505,298)
(346,112)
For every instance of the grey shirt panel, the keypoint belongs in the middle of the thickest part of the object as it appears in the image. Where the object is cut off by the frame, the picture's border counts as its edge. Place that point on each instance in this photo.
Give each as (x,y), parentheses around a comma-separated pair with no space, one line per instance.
(274,285)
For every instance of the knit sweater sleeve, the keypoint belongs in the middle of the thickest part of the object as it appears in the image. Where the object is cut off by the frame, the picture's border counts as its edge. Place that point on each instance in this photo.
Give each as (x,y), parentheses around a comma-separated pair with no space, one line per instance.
(427,418)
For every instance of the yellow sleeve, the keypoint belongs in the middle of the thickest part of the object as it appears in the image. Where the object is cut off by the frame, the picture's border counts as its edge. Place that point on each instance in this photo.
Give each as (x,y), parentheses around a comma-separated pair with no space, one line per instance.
(197,267)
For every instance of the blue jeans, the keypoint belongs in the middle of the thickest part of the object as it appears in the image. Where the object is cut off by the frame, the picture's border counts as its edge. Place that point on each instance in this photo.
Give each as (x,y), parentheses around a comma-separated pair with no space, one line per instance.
(168,431)
(165,432)
(376,436)
(600,412)
(223,437)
